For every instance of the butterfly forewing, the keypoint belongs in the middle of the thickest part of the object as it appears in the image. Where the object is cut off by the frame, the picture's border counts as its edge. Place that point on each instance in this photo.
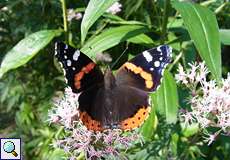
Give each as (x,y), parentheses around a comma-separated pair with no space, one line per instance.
(145,70)
(80,71)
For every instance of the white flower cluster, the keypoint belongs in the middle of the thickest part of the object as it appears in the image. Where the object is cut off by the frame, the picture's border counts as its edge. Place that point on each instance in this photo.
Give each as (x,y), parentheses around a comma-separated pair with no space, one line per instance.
(213,107)
(115,8)
(210,102)
(98,145)
(194,75)
(72,14)
(65,110)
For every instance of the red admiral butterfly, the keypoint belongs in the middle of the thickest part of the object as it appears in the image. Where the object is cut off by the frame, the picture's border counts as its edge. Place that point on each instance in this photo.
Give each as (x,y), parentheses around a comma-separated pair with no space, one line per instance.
(110,101)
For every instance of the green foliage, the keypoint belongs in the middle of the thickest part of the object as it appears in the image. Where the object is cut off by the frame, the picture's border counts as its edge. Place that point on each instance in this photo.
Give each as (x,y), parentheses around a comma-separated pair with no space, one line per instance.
(29,28)
(203,29)
(94,10)
(110,38)
(27,49)
(224,36)
(148,128)
(166,98)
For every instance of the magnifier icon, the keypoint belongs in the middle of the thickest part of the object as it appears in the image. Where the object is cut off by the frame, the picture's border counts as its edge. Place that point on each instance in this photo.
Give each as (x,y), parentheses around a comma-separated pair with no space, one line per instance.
(9,147)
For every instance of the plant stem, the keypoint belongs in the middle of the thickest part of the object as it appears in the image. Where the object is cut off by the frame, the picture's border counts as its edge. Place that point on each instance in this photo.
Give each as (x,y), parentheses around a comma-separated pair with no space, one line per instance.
(220,8)
(65,23)
(175,61)
(165,20)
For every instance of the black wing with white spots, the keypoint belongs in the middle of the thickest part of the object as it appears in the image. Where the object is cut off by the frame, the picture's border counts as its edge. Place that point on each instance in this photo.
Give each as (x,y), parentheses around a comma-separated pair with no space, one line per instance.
(80,71)
(145,70)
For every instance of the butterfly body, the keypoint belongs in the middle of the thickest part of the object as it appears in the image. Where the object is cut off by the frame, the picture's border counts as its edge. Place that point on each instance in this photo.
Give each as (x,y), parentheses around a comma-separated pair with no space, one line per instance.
(109,101)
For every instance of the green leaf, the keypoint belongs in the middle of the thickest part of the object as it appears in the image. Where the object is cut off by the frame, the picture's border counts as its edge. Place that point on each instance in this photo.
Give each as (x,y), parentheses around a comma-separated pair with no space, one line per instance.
(58,154)
(114,19)
(26,49)
(167,98)
(150,124)
(93,11)
(174,143)
(189,130)
(174,23)
(225,36)
(142,39)
(111,37)
(203,29)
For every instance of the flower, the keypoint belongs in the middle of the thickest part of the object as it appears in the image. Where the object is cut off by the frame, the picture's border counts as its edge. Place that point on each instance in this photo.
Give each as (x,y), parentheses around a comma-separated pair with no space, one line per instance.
(72,14)
(210,104)
(78,16)
(80,140)
(97,144)
(181,76)
(66,109)
(187,116)
(192,76)
(115,8)
(211,138)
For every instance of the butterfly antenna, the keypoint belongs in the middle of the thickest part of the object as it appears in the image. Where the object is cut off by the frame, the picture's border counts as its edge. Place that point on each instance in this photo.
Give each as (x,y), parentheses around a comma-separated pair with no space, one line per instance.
(119,57)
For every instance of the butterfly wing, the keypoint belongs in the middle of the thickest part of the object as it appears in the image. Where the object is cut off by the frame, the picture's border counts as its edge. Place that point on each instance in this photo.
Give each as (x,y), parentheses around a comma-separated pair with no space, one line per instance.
(80,71)
(123,107)
(131,107)
(145,70)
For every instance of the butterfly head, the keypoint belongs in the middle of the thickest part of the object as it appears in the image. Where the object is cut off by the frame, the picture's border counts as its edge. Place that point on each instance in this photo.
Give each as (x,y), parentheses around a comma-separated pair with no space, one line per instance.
(109,79)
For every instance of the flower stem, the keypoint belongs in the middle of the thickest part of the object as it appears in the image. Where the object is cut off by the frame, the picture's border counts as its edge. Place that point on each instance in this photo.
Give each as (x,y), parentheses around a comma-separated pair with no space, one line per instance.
(220,8)
(175,61)
(165,21)
(65,23)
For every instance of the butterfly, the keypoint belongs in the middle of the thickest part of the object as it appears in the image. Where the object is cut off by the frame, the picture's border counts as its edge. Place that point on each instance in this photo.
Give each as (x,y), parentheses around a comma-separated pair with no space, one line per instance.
(109,101)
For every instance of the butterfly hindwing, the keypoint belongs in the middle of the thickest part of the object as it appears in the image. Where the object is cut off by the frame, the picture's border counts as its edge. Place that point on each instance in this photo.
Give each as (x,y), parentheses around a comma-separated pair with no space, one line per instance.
(80,71)
(123,107)
(145,70)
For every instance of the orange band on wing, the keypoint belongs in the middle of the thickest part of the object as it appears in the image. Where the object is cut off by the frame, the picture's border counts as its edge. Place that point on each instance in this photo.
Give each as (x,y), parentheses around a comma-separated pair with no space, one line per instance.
(138,70)
(90,123)
(80,75)
(136,120)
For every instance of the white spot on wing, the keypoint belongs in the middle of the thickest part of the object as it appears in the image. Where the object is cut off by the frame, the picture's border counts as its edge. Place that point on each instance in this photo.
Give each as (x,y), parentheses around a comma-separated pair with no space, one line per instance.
(159,50)
(169,50)
(147,56)
(66,47)
(161,58)
(69,62)
(65,56)
(76,55)
(74,68)
(151,69)
(157,64)
(55,48)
